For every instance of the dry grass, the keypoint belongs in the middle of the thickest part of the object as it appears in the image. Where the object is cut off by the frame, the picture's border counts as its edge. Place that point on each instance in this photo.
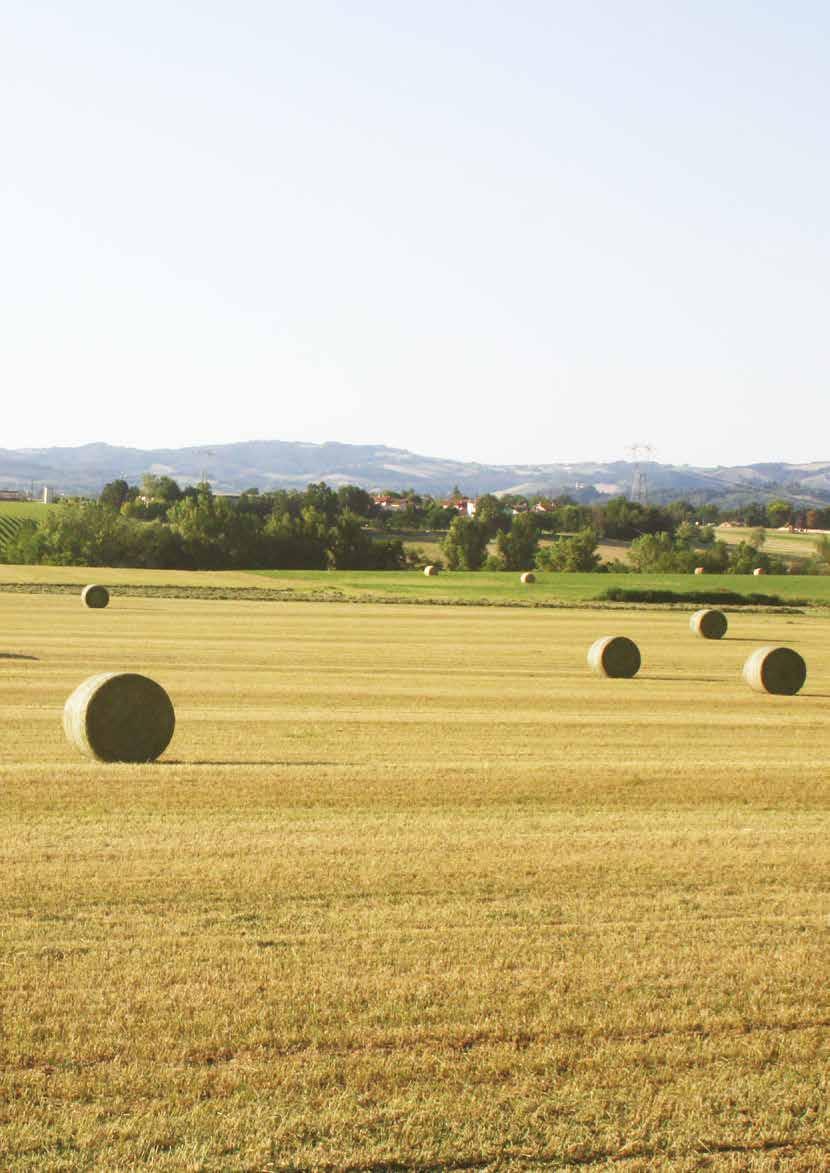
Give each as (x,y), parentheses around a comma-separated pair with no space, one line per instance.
(111,576)
(411,887)
(776,541)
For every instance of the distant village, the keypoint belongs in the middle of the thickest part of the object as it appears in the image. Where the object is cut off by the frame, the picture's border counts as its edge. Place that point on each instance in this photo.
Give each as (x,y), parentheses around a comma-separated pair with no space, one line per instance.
(464,505)
(47,495)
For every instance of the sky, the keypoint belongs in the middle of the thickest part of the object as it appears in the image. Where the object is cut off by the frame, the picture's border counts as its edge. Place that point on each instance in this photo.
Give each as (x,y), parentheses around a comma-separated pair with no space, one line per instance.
(534,231)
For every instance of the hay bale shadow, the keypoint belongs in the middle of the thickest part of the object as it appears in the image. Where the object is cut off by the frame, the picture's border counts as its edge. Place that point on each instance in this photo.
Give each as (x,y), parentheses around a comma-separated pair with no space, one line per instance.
(685,679)
(239,762)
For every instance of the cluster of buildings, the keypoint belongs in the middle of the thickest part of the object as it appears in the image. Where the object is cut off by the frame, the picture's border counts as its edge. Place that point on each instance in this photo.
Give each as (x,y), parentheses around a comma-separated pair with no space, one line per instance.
(47,496)
(399,504)
(464,505)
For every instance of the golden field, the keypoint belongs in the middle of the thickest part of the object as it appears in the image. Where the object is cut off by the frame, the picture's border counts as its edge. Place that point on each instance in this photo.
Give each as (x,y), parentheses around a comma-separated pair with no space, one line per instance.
(411,889)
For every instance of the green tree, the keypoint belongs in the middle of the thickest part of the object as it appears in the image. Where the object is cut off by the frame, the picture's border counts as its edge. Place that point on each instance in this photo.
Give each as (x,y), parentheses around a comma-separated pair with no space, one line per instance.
(518,547)
(680,511)
(465,546)
(659,553)
(80,533)
(708,514)
(686,534)
(162,488)
(293,543)
(779,513)
(491,513)
(348,543)
(577,553)
(570,518)
(215,534)
(114,493)
(438,516)
(353,499)
(324,500)
(745,557)
(753,514)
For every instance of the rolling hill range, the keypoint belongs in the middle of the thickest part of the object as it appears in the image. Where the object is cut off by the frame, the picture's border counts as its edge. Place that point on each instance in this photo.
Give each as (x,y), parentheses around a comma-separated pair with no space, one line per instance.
(273,464)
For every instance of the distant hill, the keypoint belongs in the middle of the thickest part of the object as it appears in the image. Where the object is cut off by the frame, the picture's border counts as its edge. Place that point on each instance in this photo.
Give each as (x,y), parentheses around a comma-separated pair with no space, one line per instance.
(273,464)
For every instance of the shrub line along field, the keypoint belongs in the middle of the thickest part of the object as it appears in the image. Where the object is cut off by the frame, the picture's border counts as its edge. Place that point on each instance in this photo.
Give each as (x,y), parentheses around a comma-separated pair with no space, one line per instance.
(412,888)
(283,595)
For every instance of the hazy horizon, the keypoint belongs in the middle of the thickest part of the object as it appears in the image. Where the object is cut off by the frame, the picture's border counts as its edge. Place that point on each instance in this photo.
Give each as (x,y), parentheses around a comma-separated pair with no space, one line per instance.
(205,448)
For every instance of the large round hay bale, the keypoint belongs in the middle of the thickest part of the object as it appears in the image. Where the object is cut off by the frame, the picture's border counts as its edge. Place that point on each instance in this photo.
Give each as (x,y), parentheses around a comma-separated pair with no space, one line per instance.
(95,596)
(528,576)
(777,670)
(119,717)
(614,655)
(700,570)
(759,570)
(430,571)
(709,623)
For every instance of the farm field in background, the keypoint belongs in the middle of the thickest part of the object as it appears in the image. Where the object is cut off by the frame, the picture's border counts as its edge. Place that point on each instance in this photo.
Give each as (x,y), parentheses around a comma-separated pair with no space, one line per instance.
(413,585)
(505,586)
(36,510)
(775,541)
(14,513)
(411,886)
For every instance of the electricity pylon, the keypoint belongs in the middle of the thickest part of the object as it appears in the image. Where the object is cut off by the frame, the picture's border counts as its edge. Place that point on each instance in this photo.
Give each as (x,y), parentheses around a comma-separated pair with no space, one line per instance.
(639,454)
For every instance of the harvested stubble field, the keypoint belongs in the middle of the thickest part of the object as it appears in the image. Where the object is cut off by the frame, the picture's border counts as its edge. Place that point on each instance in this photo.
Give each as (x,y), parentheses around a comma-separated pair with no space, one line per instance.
(411,888)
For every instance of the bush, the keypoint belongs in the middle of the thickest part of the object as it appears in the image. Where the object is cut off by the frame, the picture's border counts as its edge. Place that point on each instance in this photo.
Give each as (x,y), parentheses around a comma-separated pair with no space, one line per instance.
(577,554)
(714,597)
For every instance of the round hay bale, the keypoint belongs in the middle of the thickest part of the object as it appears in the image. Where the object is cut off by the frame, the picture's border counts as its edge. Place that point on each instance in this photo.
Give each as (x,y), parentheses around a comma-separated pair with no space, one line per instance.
(614,655)
(119,717)
(700,570)
(758,570)
(709,623)
(778,670)
(430,571)
(95,596)
(528,576)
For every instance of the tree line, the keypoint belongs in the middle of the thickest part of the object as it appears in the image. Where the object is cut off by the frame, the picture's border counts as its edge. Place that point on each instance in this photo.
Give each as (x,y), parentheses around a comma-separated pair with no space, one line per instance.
(681,550)
(158,524)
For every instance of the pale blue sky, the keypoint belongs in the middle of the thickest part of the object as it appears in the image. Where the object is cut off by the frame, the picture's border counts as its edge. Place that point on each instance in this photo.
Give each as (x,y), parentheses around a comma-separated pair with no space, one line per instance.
(527,231)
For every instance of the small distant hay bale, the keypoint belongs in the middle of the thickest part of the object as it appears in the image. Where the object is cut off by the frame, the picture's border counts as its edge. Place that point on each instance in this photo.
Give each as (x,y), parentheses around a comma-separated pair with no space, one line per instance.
(614,655)
(528,576)
(709,623)
(430,571)
(759,570)
(95,596)
(119,717)
(700,570)
(778,670)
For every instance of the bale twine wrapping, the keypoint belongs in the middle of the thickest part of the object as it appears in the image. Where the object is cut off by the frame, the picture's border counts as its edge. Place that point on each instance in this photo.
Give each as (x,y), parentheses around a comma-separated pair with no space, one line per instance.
(430,571)
(700,570)
(528,576)
(759,570)
(778,670)
(119,717)
(614,655)
(709,623)
(95,596)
